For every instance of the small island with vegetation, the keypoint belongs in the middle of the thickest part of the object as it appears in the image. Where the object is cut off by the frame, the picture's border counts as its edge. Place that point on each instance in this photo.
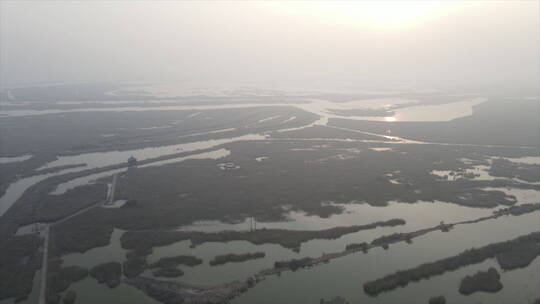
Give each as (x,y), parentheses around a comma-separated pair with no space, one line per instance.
(61,278)
(487,281)
(134,266)
(519,257)
(294,264)
(236,258)
(145,239)
(69,297)
(108,273)
(357,247)
(468,257)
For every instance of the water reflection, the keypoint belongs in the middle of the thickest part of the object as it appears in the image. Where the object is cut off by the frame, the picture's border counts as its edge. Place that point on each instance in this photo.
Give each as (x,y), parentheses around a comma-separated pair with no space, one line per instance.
(76,182)
(346,275)
(343,276)
(16,189)
(413,111)
(529,160)
(437,112)
(102,159)
(359,213)
(14,159)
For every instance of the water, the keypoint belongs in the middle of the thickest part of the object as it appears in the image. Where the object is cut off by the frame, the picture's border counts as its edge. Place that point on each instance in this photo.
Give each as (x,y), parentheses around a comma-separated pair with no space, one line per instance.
(90,292)
(98,255)
(289,119)
(523,196)
(323,108)
(14,159)
(101,159)
(155,127)
(85,180)
(529,160)
(209,132)
(343,276)
(268,118)
(443,112)
(115,204)
(357,214)
(481,172)
(95,160)
(22,113)
(420,112)
(382,149)
(210,275)
(33,297)
(16,189)
(76,182)
(518,286)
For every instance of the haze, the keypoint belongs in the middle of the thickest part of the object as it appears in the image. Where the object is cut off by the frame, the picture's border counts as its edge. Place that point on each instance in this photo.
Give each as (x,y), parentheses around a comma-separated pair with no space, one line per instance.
(305,45)
(263,152)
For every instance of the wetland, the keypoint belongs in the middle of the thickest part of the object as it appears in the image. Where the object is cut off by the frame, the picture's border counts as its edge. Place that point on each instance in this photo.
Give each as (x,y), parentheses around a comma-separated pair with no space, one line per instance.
(236,198)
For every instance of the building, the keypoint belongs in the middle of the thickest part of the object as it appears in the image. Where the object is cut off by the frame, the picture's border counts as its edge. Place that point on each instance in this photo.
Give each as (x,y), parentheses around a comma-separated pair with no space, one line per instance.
(132,161)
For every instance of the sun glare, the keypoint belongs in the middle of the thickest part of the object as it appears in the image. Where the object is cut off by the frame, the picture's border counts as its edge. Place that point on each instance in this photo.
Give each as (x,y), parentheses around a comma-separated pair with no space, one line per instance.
(390,119)
(372,14)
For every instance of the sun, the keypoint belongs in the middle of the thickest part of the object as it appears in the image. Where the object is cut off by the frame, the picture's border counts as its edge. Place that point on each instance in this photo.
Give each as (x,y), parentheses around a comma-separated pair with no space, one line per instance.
(371,14)
(390,119)
(386,14)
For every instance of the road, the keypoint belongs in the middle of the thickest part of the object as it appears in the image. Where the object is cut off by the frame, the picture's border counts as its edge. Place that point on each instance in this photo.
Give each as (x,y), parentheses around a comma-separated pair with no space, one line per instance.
(110,197)
(44,264)
(46,232)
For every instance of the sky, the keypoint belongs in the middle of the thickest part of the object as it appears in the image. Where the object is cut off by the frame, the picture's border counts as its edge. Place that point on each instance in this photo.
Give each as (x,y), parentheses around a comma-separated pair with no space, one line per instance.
(315,45)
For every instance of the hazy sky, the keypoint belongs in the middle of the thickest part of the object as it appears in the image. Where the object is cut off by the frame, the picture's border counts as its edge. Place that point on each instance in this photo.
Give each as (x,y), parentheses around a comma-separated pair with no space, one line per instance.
(306,44)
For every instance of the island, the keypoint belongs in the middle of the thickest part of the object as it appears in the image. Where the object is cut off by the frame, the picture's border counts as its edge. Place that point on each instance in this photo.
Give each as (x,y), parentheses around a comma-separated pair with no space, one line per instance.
(487,281)
(108,273)
(235,258)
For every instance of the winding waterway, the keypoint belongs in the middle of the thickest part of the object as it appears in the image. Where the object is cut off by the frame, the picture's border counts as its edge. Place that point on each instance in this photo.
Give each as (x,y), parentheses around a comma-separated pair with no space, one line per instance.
(343,276)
